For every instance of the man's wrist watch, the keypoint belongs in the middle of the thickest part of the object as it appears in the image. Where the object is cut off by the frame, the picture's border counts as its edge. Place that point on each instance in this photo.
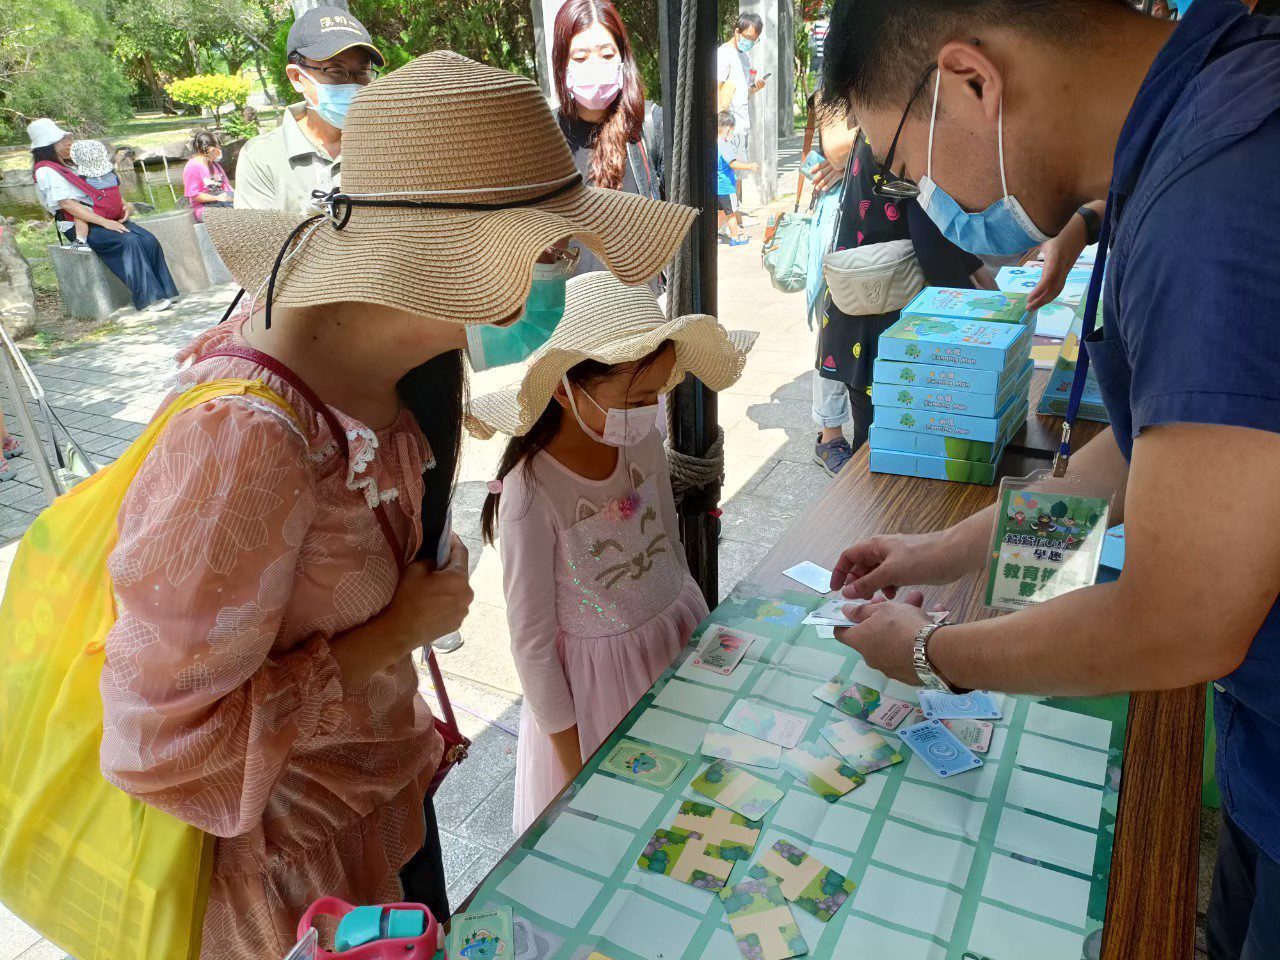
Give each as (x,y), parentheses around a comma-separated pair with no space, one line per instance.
(1092,223)
(930,677)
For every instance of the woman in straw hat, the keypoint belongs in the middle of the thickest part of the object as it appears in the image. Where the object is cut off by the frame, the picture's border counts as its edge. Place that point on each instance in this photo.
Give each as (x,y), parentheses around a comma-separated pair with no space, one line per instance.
(258,682)
(599,597)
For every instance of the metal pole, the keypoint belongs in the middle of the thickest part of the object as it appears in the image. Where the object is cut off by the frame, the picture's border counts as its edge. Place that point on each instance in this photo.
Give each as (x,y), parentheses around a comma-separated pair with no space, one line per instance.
(146,182)
(694,427)
(165,159)
(35,442)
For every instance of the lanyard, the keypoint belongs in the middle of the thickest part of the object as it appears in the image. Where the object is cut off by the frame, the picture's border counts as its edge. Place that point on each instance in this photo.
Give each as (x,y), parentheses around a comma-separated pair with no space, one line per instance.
(1063,456)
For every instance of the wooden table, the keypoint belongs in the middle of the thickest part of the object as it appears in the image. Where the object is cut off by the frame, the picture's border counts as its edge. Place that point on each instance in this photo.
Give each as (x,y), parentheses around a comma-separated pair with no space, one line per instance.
(1151,905)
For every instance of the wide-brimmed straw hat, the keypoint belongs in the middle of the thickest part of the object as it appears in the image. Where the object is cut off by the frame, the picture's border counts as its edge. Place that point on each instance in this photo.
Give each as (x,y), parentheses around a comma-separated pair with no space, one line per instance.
(608,321)
(445,130)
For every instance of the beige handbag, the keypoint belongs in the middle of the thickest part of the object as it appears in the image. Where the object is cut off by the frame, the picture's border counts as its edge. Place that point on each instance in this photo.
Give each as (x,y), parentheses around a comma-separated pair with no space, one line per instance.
(876,278)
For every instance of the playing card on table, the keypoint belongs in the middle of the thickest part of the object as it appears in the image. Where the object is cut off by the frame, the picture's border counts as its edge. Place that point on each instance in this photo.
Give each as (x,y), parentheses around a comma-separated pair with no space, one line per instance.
(482,933)
(644,763)
(868,703)
(862,748)
(829,692)
(722,649)
(805,880)
(766,723)
(831,613)
(726,744)
(975,705)
(824,771)
(732,834)
(686,857)
(761,921)
(974,734)
(939,748)
(738,789)
(811,575)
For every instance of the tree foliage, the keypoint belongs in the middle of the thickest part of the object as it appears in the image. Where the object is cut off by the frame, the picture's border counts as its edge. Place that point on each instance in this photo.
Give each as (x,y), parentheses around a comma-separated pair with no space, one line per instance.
(211,91)
(55,60)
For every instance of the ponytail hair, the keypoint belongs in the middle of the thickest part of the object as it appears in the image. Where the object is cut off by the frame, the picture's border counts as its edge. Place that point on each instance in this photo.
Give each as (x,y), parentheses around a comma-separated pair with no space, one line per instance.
(521,450)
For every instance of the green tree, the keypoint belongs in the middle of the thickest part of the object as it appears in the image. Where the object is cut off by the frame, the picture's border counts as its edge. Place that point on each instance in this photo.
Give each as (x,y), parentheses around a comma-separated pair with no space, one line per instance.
(55,60)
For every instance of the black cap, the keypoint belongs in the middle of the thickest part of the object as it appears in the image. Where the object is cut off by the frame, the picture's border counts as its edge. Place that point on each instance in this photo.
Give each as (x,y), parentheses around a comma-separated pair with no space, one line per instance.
(324,32)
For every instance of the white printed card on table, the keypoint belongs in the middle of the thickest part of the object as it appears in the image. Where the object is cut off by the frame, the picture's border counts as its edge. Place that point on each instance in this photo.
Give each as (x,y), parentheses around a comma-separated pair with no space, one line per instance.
(766,723)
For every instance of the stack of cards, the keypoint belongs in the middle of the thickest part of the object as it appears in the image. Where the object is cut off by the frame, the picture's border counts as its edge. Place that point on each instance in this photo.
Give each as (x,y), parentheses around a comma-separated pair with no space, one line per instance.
(804,880)
(725,744)
(974,734)
(761,921)
(831,613)
(939,748)
(864,703)
(766,723)
(862,748)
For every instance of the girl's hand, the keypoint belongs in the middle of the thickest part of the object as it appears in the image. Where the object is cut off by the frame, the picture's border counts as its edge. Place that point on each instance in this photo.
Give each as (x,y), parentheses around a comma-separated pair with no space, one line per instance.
(428,604)
(1059,254)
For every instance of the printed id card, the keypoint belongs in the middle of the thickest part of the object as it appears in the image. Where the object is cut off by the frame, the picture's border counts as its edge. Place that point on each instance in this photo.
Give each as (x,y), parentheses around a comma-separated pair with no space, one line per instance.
(1047,539)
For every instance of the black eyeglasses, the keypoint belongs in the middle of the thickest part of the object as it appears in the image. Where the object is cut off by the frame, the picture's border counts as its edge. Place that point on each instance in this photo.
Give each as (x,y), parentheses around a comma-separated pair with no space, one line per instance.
(336,75)
(888,184)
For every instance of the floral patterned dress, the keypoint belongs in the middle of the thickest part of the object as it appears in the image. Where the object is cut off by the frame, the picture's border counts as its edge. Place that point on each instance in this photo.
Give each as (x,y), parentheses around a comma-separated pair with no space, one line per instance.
(246,543)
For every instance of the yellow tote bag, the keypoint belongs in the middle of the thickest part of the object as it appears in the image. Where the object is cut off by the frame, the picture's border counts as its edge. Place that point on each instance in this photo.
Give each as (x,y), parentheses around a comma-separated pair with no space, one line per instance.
(102,875)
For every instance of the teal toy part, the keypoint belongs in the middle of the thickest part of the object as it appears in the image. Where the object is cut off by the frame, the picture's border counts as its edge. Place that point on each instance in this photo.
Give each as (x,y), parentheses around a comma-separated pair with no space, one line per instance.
(367,924)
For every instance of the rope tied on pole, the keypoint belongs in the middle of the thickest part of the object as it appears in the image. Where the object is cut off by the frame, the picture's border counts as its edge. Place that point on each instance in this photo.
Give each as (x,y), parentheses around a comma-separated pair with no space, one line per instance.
(700,475)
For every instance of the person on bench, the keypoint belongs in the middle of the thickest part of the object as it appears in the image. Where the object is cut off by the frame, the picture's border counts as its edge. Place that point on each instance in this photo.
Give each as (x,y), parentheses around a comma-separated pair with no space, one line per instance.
(128,250)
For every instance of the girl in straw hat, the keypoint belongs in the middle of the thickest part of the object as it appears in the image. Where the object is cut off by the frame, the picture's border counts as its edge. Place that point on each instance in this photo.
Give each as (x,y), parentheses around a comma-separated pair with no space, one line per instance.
(258,683)
(599,597)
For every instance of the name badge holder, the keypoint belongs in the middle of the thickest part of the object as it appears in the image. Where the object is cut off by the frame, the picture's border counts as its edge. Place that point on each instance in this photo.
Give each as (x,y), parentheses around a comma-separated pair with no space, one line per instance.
(1050,525)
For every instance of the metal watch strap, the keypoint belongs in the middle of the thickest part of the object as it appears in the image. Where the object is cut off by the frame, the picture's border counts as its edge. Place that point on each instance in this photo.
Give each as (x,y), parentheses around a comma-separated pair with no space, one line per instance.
(920,659)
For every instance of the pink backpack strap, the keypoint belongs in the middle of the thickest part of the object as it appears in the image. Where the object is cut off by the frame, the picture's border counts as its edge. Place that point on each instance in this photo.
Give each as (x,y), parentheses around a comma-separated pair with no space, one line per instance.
(270,363)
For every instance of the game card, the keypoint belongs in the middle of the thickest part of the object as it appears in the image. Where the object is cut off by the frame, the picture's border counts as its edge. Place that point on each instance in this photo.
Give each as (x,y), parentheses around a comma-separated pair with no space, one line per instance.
(685,857)
(830,691)
(723,649)
(974,734)
(729,832)
(824,771)
(644,763)
(766,723)
(975,705)
(939,748)
(761,921)
(831,613)
(869,704)
(805,880)
(726,744)
(482,933)
(811,575)
(737,789)
(864,749)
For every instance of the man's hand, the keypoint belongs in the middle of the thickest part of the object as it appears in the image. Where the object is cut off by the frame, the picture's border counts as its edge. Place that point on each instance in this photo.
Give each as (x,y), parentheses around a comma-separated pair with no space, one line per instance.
(888,561)
(885,634)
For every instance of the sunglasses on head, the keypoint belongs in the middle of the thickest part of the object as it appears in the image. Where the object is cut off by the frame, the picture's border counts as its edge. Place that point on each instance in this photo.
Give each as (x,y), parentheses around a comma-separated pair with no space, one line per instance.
(887,183)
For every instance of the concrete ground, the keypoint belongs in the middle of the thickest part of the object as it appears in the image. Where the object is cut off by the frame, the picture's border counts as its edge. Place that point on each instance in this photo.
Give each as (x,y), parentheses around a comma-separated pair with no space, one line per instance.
(105,393)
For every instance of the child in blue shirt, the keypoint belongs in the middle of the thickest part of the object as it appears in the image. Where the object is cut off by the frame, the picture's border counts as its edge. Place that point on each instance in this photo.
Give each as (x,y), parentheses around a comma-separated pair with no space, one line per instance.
(728,215)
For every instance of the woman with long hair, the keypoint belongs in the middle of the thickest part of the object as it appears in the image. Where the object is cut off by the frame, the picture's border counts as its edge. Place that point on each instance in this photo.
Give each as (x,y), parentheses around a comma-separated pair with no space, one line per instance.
(204,182)
(614,133)
(277,564)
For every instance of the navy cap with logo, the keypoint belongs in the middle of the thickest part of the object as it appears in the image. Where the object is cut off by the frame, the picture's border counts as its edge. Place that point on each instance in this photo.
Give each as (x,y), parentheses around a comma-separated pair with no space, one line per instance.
(325,32)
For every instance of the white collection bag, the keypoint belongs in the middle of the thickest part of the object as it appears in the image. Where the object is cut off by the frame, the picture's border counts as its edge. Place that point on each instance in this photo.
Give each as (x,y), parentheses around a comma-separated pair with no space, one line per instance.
(877,278)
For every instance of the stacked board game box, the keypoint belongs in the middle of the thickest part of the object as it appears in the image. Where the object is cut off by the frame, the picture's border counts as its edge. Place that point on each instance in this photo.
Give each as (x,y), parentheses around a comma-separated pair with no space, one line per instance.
(950,384)
(1057,391)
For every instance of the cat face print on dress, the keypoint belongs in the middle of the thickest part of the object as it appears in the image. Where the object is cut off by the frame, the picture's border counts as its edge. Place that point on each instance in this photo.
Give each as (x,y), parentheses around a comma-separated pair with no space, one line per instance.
(630,538)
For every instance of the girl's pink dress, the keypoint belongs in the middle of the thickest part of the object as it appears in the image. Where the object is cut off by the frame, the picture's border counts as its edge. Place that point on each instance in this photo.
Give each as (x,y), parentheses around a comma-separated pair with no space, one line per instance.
(246,544)
(599,602)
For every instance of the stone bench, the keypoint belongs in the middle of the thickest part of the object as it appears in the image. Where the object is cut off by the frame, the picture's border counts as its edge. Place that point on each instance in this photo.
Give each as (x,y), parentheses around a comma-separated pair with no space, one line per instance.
(90,291)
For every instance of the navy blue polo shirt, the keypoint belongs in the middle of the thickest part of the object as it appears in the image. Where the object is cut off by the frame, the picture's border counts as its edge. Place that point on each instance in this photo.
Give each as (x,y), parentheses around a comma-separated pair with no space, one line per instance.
(1191,309)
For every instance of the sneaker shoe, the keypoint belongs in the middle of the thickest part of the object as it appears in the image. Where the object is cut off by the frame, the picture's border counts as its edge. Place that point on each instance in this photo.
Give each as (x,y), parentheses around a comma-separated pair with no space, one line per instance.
(448,643)
(739,241)
(13,447)
(832,455)
(160,306)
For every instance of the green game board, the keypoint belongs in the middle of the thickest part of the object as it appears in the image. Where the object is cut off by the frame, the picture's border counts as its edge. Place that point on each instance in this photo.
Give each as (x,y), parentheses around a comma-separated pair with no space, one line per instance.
(1008,862)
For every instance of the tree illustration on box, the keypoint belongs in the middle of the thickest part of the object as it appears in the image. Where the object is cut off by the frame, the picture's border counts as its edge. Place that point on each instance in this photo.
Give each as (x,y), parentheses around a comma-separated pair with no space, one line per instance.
(907,420)
(913,350)
(907,375)
(904,396)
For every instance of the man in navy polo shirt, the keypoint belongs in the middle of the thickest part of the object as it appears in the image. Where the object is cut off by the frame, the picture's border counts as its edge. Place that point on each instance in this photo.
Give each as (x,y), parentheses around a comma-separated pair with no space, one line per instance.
(1009,116)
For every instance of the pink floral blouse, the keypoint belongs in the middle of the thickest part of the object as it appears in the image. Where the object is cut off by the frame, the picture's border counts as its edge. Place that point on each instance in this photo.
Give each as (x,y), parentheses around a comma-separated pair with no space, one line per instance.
(245,546)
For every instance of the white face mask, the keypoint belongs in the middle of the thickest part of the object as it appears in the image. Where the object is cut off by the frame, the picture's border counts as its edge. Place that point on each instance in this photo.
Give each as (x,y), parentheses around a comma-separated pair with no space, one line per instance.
(622,428)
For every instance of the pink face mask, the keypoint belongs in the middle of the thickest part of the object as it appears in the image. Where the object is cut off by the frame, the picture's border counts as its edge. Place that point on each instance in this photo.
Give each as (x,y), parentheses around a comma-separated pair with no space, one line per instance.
(594,82)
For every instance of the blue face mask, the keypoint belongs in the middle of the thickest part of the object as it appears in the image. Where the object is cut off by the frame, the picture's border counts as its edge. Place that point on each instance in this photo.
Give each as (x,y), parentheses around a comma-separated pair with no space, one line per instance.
(1001,230)
(745,45)
(490,346)
(332,101)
